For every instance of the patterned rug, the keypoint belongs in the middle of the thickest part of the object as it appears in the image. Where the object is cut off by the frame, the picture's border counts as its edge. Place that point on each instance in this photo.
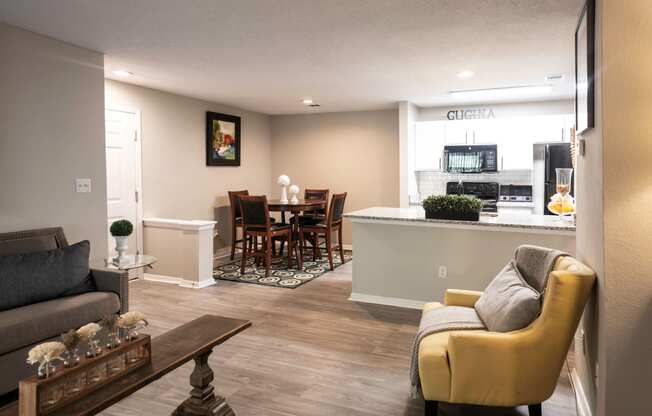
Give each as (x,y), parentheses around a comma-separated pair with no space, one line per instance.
(280,275)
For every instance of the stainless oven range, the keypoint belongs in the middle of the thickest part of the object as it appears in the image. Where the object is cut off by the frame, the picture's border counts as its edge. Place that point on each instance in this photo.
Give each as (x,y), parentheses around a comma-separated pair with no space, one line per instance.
(488,192)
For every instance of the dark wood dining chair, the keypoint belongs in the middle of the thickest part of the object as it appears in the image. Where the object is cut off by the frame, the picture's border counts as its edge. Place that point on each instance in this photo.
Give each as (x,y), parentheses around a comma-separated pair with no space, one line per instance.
(257,223)
(236,219)
(332,224)
(313,216)
(317,215)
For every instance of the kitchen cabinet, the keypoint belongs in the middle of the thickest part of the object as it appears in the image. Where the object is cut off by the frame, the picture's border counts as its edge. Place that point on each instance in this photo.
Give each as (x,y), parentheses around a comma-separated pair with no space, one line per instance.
(456,132)
(515,137)
(488,131)
(429,143)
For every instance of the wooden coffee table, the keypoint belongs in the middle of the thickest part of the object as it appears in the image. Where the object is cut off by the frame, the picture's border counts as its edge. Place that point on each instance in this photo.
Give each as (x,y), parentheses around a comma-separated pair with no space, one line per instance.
(192,341)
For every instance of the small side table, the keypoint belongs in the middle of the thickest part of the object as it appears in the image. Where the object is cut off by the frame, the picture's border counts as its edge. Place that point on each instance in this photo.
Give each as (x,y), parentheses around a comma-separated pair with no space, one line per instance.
(131,261)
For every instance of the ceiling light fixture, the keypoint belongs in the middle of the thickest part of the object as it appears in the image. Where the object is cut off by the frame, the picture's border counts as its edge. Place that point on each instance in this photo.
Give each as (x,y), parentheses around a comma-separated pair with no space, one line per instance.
(501,92)
(122,73)
(465,74)
(307,101)
(555,77)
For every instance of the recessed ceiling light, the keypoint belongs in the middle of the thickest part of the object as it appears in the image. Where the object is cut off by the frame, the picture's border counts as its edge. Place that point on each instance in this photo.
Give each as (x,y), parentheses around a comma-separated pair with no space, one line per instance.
(122,73)
(501,93)
(465,74)
(307,101)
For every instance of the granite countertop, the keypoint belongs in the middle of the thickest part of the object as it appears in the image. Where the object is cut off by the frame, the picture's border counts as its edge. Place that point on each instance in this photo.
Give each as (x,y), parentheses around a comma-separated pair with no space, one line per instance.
(506,222)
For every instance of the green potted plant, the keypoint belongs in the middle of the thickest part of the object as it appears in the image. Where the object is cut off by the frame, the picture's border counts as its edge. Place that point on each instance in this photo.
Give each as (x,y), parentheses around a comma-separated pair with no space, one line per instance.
(452,207)
(121,230)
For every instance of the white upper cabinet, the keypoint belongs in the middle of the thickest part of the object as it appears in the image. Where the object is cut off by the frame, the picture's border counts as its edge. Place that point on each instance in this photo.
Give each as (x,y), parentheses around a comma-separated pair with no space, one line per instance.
(487,132)
(429,142)
(547,128)
(514,136)
(457,132)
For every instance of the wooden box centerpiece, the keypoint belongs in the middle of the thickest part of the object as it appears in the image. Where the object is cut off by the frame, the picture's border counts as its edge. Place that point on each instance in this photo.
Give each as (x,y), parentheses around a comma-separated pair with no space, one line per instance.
(41,396)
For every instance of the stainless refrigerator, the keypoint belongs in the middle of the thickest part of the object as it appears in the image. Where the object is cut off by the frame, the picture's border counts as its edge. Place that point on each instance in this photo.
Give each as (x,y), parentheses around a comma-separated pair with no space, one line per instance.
(556,155)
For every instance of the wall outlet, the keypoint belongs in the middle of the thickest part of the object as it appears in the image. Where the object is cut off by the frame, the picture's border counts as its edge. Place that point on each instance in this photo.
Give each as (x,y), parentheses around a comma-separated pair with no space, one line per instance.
(82,185)
(443,272)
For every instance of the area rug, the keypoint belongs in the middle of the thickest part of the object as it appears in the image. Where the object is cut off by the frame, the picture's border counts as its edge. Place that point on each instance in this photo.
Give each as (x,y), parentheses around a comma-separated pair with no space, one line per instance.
(279,275)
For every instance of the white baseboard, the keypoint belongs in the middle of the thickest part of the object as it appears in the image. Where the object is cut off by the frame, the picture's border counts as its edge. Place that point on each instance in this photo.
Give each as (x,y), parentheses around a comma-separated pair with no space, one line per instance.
(197,285)
(179,281)
(583,407)
(382,300)
(223,252)
(161,278)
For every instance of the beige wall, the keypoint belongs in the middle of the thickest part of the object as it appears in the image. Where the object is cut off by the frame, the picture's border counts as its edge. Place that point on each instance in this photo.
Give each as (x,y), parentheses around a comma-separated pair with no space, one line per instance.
(353,152)
(51,132)
(590,240)
(616,181)
(176,181)
(627,133)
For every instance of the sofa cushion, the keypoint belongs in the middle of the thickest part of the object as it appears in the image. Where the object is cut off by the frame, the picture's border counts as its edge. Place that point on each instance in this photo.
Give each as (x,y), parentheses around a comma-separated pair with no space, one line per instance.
(39,276)
(508,303)
(31,324)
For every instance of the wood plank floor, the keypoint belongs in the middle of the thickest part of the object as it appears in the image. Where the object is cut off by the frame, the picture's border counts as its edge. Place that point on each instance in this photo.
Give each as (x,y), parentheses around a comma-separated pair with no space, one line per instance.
(310,352)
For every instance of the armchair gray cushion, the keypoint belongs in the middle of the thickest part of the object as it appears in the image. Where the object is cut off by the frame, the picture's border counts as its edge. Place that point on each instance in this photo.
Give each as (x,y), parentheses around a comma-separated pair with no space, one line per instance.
(508,303)
(40,276)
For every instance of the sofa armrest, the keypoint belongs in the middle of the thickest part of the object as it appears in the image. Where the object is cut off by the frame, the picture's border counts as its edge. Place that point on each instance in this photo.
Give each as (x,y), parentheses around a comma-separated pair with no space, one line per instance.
(459,297)
(116,281)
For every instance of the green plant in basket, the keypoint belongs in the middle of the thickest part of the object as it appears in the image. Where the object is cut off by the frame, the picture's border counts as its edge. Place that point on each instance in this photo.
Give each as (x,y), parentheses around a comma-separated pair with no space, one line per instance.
(121,228)
(452,207)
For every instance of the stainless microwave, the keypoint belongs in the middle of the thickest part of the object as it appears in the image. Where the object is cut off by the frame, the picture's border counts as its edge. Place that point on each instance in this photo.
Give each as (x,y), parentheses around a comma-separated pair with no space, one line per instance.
(471,158)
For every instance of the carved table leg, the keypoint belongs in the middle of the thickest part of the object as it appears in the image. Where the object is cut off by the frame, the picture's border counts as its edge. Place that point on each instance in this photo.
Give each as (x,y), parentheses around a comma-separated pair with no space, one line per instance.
(203,401)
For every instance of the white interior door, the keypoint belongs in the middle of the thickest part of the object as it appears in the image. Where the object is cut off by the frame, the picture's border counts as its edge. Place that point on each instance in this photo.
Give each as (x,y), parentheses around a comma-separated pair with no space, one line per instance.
(123,174)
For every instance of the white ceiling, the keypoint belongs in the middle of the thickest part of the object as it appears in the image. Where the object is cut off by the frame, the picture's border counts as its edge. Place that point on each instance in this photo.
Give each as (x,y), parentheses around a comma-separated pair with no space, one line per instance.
(265,55)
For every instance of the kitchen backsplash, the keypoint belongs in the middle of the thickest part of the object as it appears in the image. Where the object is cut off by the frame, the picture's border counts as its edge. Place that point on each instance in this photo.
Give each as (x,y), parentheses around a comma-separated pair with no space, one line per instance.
(433,182)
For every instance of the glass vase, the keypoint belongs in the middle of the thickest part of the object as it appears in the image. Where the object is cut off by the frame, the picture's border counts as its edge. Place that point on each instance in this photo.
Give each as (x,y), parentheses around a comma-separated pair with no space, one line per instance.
(113,339)
(72,358)
(564,179)
(94,348)
(46,369)
(132,332)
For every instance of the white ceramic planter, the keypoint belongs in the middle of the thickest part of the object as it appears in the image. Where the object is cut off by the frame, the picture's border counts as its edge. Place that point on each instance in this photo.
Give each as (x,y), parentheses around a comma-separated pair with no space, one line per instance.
(121,246)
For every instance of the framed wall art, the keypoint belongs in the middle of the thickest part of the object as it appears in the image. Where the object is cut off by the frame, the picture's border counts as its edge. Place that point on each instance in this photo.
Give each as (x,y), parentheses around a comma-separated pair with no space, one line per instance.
(585,68)
(222,139)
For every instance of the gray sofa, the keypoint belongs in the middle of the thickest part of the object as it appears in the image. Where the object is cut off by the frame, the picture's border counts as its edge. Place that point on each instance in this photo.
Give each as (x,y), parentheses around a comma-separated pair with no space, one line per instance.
(26,325)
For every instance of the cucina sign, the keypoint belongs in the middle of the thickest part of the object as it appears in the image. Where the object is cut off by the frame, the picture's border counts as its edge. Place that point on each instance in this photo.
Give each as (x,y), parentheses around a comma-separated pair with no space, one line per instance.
(471,114)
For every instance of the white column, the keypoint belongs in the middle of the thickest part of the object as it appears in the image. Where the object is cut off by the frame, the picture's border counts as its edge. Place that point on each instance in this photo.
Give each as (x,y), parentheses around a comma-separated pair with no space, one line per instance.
(407,115)
(184,250)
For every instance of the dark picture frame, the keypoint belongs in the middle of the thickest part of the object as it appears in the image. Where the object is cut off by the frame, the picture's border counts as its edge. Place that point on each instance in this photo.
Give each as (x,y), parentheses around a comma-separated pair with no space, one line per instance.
(585,68)
(223,140)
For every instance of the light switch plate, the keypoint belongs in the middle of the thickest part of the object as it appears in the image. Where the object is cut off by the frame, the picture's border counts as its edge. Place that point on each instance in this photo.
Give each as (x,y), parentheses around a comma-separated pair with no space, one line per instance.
(83,185)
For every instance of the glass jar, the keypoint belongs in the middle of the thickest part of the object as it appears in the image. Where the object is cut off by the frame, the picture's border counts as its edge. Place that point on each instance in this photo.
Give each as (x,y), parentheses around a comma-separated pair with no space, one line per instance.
(72,358)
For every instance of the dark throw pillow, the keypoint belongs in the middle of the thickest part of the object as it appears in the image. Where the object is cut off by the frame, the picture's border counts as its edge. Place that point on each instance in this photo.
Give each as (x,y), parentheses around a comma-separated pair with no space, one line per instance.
(36,277)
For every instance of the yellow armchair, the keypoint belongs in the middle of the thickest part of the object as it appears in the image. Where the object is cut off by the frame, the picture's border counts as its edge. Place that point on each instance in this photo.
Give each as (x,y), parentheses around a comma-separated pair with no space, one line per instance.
(506,369)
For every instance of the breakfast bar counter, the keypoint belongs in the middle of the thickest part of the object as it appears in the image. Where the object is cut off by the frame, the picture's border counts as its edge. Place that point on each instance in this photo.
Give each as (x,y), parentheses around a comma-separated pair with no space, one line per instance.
(502,222)
(404,259)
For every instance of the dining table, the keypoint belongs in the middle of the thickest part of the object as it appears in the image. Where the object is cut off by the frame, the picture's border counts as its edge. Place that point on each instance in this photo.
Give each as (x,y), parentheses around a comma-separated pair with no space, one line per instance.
(275,205)
(302,205)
